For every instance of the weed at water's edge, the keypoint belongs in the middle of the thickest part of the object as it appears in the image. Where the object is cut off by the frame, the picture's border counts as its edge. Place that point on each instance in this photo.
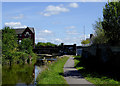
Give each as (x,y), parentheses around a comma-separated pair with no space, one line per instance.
(52,74)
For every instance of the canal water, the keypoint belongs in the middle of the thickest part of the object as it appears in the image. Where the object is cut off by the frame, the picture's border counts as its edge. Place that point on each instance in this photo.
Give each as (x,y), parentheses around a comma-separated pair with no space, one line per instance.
(20,74)
(24,75)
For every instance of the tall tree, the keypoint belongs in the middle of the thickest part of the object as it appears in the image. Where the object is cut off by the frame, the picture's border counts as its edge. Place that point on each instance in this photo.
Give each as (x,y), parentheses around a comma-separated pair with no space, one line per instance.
(26,45)
(99,35)
(111,21)
(9,44)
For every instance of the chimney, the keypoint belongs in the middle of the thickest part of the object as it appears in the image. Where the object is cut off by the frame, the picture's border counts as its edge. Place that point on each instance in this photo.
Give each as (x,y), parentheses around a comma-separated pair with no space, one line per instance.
(91,35)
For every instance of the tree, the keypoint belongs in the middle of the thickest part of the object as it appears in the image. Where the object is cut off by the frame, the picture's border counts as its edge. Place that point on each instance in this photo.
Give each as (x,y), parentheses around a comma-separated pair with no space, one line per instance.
(11,53)
(85,42)
(39,44)
(111,22)
(0,49)
(9,44)
(99,35)
(26,45)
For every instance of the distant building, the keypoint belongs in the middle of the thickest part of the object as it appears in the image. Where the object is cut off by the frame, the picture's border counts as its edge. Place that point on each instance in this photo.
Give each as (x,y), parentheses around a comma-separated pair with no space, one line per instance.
(25,33)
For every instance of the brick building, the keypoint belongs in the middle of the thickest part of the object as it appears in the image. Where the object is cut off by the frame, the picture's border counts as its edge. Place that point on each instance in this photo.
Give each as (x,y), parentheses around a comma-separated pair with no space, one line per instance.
(25,33)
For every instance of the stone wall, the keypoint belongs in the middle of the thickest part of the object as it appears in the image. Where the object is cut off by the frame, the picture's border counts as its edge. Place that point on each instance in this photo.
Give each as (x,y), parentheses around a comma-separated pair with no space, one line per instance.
(102,54)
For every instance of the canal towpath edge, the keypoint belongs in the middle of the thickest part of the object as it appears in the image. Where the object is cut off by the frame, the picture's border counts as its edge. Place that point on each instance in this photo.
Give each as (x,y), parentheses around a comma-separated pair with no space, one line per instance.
(71,74)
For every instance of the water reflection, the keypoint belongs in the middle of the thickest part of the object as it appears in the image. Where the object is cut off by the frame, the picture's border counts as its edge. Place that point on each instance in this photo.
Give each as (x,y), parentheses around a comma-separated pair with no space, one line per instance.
(38,69)
(24,75)
(17,74)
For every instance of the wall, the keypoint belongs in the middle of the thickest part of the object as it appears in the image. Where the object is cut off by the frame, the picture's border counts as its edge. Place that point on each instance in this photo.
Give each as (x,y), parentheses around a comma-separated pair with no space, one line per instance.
(102,54)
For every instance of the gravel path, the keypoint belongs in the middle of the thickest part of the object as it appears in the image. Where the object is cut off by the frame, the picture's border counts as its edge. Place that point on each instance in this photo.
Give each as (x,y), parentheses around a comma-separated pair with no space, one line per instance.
(72,76)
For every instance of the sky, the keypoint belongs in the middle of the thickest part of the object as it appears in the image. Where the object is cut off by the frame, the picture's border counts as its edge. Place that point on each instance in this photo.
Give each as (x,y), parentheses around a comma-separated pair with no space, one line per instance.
(56,22)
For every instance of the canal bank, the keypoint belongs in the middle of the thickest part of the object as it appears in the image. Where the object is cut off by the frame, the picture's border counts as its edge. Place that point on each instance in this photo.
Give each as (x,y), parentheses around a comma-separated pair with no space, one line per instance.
(27,74)
(53,74)
(23,74)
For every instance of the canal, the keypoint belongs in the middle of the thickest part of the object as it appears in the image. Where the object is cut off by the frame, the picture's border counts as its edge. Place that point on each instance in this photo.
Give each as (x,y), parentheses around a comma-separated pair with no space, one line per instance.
(21,74)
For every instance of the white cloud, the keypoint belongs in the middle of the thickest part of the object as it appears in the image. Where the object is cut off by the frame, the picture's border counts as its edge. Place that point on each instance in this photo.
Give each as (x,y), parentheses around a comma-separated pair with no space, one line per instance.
(58,40)
(72,40)
(45,33)
(41,39)
(15,25)
(20,16)
(73,5)
(70,27)
(53,10)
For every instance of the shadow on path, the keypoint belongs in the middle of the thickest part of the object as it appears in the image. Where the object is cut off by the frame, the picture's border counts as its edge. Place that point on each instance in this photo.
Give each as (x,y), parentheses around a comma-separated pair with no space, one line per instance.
(72,75)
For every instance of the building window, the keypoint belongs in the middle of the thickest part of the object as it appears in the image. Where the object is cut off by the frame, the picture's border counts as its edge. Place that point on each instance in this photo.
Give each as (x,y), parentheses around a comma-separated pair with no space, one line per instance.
(19,41)
(27,35)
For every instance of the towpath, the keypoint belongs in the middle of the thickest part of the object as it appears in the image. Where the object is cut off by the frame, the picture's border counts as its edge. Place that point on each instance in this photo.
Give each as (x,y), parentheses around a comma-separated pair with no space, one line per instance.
(71,74)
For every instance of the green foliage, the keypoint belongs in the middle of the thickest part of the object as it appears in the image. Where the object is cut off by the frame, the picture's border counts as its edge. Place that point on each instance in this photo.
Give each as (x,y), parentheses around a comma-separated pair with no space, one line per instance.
(85,42)
(99,37)
(9,43)
(93,76)
(39,44)
(14,53)
(0,61)
(77,57)
(111,22)
(52,74)
(26,45)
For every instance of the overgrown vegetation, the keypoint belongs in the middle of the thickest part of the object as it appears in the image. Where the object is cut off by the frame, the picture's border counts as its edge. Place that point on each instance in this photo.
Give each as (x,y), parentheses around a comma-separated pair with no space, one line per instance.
(97,77)
(14,53)
(53,74)
(108,30)
(84,42)
(40,44)
(99,35)
(0,58)
(111,22)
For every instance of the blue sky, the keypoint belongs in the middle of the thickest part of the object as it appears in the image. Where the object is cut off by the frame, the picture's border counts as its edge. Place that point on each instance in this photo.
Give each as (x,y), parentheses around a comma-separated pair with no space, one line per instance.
(54,22)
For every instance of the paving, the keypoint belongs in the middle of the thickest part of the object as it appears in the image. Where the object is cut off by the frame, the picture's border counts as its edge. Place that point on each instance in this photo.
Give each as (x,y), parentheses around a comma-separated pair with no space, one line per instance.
(72,76)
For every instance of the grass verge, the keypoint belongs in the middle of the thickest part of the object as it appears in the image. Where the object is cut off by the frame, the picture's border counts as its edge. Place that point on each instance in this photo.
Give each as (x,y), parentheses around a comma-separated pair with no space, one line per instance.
(53,74)
(95,77)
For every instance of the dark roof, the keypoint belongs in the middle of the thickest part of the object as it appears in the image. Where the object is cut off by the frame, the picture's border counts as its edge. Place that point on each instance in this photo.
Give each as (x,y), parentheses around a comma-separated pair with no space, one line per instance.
(21,30)
(32,29)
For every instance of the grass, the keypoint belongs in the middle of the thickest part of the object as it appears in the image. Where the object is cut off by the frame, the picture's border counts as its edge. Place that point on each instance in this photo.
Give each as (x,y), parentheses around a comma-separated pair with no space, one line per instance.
(53,74)
(95,77)
(0,74)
